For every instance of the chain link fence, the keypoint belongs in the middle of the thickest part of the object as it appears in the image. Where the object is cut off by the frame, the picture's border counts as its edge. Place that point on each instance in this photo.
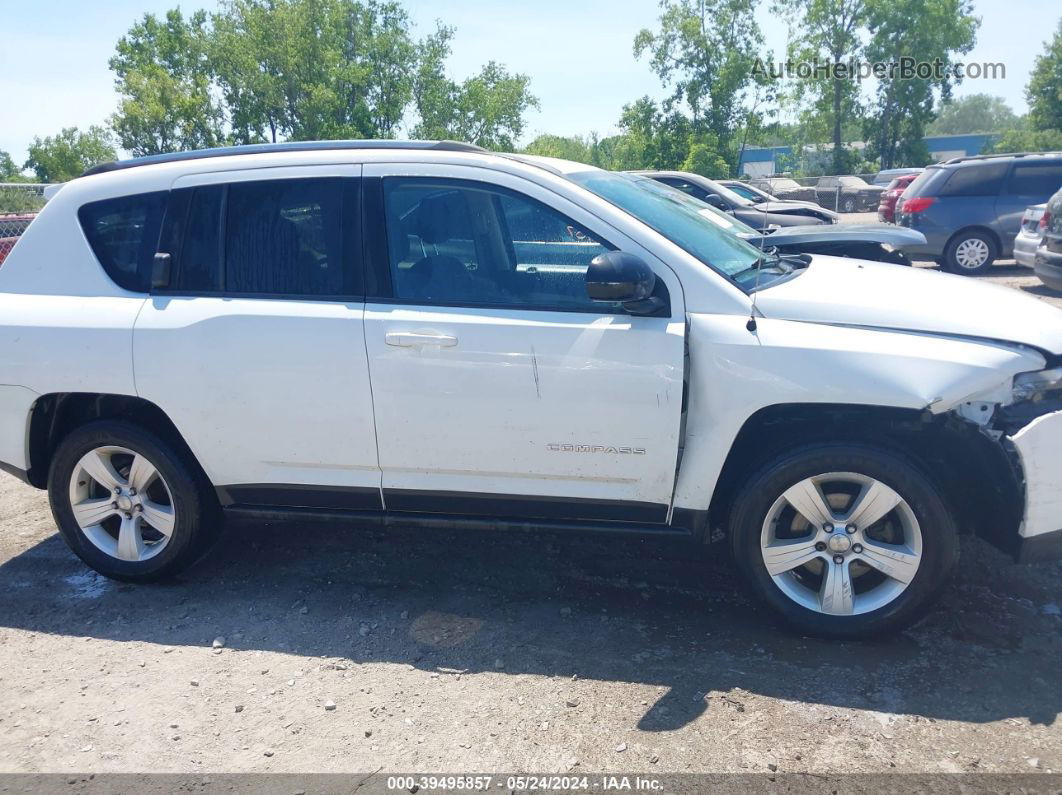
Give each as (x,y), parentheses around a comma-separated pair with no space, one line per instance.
(19,204)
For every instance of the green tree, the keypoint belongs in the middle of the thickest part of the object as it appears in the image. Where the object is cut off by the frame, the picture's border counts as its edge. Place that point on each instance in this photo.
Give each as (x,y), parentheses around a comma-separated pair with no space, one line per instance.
(705,51)
(64,156)
(976,113)
(8,169)
(826,32)
(566,148)
(313,69)
(487,109)
(1023,139)
(1044,92)
(163,79)
(944,29)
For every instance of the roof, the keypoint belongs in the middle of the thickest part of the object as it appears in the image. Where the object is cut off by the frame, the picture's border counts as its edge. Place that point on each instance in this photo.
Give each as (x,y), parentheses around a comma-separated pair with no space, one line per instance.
(289,146)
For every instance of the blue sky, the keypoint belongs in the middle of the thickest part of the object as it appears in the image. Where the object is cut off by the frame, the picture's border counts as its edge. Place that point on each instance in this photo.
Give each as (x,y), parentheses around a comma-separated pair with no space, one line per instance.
(53,61)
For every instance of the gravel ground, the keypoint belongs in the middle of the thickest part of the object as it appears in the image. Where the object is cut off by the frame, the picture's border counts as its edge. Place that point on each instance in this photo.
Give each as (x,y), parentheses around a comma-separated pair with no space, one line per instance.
(341,649)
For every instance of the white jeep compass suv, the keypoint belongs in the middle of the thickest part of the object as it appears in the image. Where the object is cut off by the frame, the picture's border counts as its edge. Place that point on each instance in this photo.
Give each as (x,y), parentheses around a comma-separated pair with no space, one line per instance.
(418,332)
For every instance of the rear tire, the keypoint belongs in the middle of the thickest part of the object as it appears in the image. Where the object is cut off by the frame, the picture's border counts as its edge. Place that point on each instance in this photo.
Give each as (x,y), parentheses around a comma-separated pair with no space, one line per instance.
(970,253)
(834,584)
(129,504)
(848,204)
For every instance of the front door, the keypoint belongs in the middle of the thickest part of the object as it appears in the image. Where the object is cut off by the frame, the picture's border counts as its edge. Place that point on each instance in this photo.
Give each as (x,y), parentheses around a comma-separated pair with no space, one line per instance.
(499,388)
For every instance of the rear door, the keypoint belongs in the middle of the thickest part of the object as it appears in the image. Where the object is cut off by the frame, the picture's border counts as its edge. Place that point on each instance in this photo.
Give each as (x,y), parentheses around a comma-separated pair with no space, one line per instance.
(256,350)
(499,387)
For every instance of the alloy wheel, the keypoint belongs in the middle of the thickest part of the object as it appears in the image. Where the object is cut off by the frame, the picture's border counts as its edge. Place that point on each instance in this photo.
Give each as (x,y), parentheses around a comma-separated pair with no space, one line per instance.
(122,503)
(841,543)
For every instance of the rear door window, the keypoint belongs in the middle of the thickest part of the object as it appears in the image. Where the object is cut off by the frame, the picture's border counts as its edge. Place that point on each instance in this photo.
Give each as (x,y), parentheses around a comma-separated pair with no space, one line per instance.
(124,235)
(285,237)
(981,179)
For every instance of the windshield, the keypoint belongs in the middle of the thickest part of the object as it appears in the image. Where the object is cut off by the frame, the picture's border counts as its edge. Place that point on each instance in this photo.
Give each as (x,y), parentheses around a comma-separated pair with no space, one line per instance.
(711,236)
(731,196)
(785,184)
(853,182)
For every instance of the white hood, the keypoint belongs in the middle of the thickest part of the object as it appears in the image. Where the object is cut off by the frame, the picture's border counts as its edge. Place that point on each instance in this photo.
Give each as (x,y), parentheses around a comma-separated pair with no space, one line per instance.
(860,293)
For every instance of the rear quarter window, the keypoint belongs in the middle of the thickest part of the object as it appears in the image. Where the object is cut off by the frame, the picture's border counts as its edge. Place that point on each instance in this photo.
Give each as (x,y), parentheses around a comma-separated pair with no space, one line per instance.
(1035,179)
(124,235)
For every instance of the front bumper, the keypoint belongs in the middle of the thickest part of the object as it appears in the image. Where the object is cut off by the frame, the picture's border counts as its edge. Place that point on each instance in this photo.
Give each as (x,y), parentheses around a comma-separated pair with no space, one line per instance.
(1038,445)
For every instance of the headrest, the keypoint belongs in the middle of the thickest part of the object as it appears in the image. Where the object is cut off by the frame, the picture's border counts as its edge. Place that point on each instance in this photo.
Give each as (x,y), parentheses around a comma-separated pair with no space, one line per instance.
(442,217)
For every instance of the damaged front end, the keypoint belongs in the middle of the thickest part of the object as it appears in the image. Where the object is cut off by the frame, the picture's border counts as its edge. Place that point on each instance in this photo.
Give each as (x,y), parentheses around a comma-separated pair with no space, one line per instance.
(1027,424)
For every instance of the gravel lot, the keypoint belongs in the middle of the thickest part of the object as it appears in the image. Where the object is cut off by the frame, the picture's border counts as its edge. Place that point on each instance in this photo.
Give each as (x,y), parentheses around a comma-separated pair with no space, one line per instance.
(349,650)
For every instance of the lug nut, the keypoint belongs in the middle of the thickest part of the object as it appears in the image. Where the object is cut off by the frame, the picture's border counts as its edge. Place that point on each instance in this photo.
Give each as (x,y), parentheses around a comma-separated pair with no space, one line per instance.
(117,490)
(132,493)
(850,529)
(857,548)
(827,528)
(838,559)
(821,547)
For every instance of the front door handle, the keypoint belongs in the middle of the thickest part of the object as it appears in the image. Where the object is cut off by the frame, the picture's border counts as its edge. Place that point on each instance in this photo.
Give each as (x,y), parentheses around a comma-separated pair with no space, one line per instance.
(416,339)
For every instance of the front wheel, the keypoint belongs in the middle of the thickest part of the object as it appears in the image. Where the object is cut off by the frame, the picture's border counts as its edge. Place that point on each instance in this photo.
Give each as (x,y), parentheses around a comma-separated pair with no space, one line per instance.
(844,541)
(128,503)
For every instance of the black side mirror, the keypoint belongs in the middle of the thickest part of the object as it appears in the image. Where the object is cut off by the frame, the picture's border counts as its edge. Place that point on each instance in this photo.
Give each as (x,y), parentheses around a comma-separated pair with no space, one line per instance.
(160,272)
(618,277)
(715,201)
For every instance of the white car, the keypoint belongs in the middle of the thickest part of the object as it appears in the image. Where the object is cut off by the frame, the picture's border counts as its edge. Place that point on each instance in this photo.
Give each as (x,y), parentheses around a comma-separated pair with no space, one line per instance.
(423,333)
(1029,236)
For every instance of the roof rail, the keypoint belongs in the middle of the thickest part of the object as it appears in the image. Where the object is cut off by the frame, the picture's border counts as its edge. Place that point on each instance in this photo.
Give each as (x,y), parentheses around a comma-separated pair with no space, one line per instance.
(287,146)
(1000,154)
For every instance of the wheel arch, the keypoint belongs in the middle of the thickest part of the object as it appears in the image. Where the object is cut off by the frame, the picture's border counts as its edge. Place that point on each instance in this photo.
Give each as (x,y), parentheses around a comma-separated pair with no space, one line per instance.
(55,415)
(976,476)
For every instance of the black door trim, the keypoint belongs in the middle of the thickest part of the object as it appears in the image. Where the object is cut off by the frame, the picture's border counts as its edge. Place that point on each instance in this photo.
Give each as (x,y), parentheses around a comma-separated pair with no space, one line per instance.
(519,507)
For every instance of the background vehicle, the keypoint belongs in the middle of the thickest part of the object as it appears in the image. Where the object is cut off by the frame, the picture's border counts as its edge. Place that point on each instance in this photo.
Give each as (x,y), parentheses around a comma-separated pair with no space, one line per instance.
(760,215)
(1048,261)
(876,242)
(759,196)
(1029,236)
(785,189)
(435,334)
(11,228)
(847,194)
(885,178)
(887,202)
(970,208)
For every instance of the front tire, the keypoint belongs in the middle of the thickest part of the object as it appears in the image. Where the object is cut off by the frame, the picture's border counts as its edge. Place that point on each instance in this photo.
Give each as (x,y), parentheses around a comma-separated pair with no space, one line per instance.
(128,503)
(844,541)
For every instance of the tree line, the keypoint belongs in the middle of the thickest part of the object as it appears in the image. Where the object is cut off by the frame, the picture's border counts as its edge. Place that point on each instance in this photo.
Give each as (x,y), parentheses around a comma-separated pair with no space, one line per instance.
(269,70)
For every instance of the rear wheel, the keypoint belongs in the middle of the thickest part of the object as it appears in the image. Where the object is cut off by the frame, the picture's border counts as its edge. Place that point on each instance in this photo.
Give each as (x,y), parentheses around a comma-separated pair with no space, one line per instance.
(844,541)
(128,504)
(970,253)
(848,204)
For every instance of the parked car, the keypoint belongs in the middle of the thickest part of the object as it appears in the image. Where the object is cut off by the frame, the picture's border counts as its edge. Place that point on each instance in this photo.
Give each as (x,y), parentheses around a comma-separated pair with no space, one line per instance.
(758,196)
(970,208)
(875,242)
(760,215)
(1029,235)
(12,225)
(785,189)
(887,202)
(885,178)
(847,194)
(1048,261)
(429,333)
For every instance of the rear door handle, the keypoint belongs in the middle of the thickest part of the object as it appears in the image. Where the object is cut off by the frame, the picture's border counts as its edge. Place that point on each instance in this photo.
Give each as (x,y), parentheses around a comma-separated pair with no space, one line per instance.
(416,339)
